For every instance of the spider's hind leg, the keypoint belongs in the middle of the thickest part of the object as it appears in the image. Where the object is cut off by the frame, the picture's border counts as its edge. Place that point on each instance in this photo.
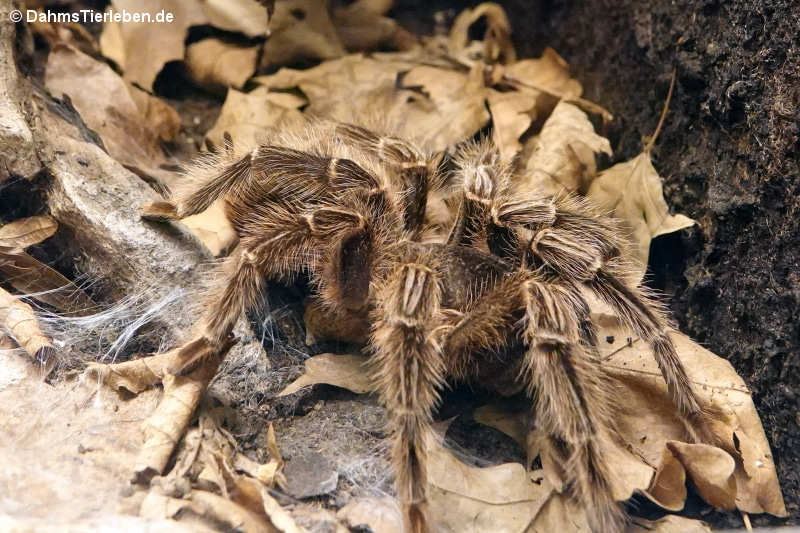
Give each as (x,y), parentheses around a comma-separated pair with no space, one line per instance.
(573,396)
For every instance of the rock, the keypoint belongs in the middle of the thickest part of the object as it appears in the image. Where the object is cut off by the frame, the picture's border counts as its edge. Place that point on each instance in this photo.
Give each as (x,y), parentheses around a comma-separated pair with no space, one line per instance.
(310,474)
(17,153)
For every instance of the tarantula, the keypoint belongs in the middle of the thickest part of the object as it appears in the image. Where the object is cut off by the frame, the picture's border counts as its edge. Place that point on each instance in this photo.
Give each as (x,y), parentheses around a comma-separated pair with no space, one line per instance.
(500,291)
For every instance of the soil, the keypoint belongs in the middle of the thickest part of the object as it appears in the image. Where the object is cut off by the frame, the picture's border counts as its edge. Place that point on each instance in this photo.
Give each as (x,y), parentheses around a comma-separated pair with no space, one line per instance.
(729,155)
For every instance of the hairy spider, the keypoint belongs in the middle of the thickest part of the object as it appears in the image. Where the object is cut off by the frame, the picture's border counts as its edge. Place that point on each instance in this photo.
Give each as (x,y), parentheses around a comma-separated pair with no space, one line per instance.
(500,291)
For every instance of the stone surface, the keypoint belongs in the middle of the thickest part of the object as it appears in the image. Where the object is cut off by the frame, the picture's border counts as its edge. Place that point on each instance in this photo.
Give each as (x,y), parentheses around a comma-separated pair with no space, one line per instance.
(310,474)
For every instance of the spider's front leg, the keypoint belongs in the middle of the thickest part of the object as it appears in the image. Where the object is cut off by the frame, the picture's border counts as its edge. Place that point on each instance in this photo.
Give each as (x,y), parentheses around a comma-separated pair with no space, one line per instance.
(410,370)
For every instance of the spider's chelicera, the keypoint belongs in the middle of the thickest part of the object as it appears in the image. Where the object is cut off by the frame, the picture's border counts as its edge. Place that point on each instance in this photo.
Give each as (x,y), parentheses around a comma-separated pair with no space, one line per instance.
(500,291)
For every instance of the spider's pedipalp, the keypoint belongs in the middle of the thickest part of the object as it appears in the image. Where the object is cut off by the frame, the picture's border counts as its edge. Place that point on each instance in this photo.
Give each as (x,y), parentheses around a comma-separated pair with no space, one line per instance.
(410,370)
(416,171)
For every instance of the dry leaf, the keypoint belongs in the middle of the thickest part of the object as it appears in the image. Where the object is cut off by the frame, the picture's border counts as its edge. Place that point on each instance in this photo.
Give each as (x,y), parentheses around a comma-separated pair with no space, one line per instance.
(19,320)
(545,76)
(246,116)
(113,112)
(32,277)
(668,488)
(561,157)
(213,228)
(669,524)
(512,113)
(215,62)
(362,26)
(454,107)
(632,191)
(711,470)
(141,49)
(157,116)
(496,42)
(381,515)
(165,427)
(560,514)
(26,232)
(467,499)
(346,88)
(133,376)
(346,371)
(301,29)
(245,16)
(649,419)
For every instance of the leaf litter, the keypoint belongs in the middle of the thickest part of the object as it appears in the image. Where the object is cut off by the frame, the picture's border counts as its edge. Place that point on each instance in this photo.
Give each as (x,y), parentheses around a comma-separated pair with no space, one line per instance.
(441,90)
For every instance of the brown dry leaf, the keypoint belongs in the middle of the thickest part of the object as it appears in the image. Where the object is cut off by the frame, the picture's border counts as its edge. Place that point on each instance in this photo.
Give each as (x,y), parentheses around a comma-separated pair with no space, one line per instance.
(158,116)
(346,88)
(301,29)
(362,26)
(32,277)
(133,376)
(214,509)
(213,228)
(496,43)
(547,76)
(437,106)
(381,515)
(466,499)
(270,473)
(512,113)
(111,110)
(215,62)
(26,232)
(347,371)
(669,524)
(668,487)
(452,107)
(19,320)
(560,514)
(246,117)
(249,17)
(630,474)
(167,424)
(649,419)
(633,192)
(711,470)
(561,157)
(141,49)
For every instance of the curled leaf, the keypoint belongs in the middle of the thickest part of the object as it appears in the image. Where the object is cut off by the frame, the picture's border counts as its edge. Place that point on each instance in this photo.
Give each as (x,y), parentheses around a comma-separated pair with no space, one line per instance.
(346,371)
(711,470)
(19,320)
(497,45)
(215,62)
(561,157)
(27,231)
(632,191)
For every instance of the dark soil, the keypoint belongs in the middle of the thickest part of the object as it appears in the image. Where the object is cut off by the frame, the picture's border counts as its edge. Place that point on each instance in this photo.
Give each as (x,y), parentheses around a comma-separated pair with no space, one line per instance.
(729,156)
